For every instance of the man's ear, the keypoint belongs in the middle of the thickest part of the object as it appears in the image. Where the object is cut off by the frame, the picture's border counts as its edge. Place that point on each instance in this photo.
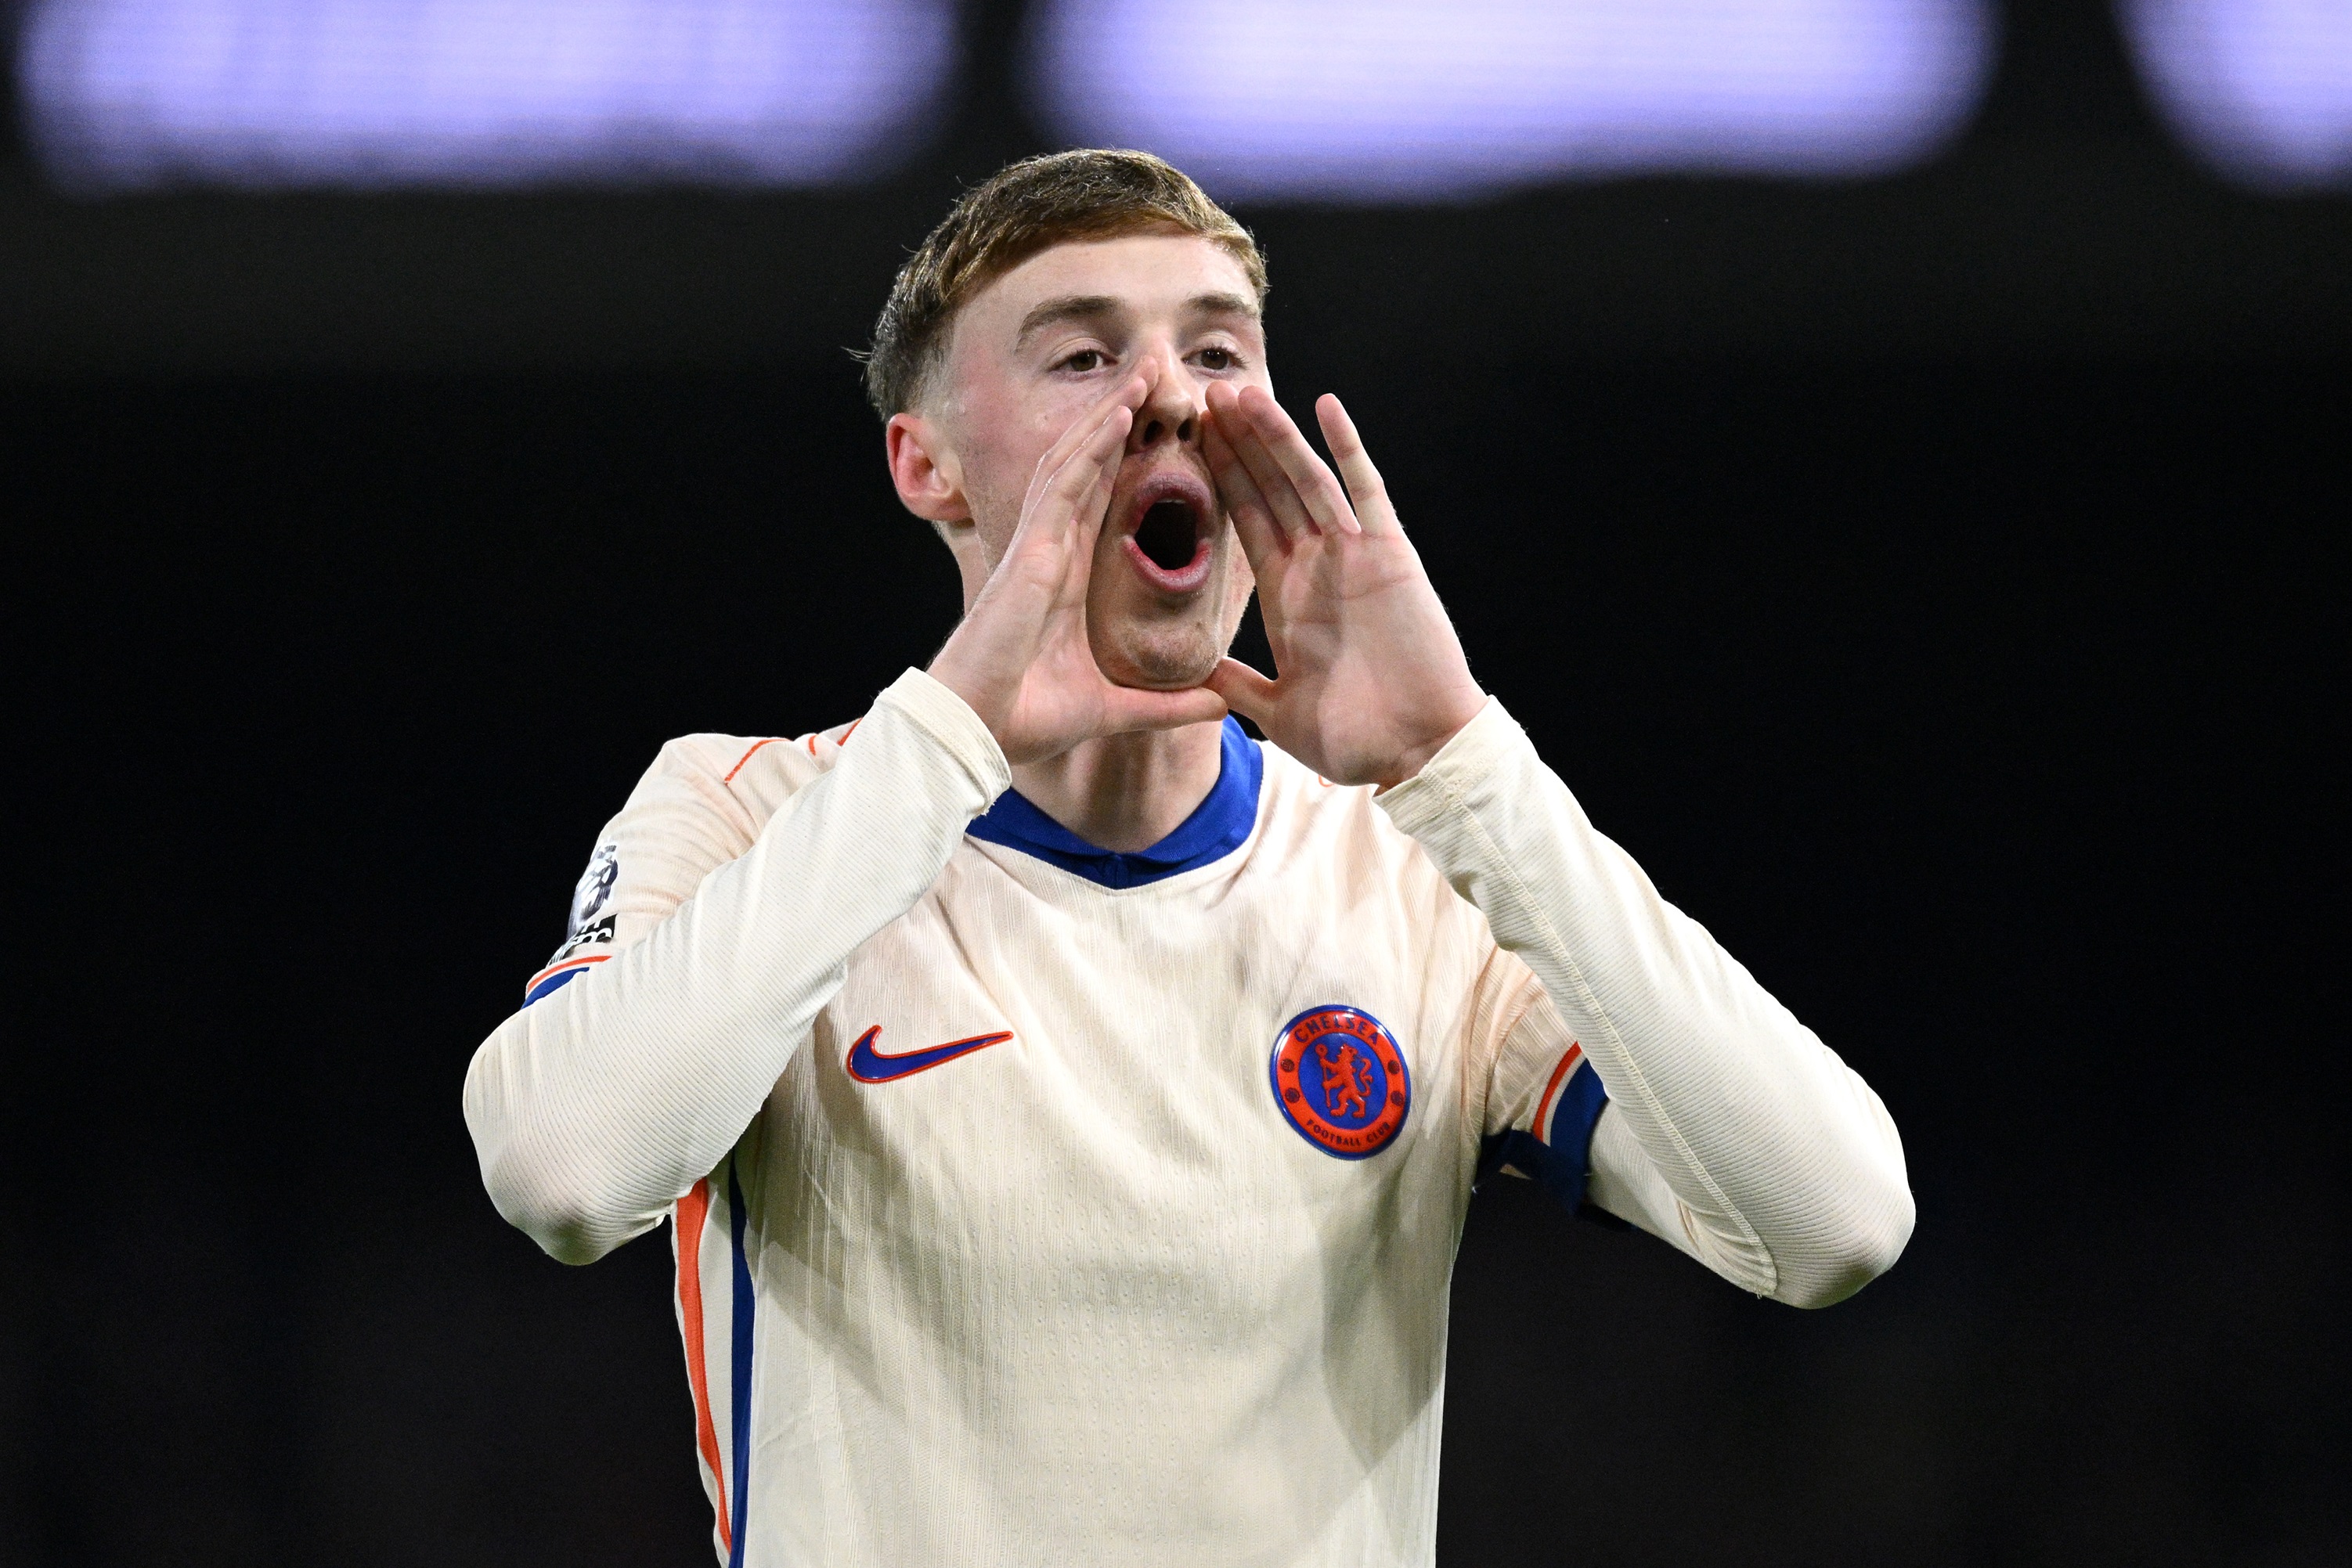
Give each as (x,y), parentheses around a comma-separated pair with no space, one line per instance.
(924,468)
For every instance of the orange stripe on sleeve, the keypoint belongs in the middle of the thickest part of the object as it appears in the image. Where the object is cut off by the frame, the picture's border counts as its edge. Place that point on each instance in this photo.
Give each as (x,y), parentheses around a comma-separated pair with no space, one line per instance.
(1558,1076)
(747,757)
(530,985)
(692,1211)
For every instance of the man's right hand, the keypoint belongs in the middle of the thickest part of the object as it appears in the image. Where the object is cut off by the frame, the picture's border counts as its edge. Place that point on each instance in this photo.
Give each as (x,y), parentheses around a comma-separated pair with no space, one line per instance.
(1021,658)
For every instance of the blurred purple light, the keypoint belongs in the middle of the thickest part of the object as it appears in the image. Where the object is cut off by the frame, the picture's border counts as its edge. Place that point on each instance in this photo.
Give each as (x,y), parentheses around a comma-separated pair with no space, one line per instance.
(130,93)
(2261,87)
(1374,100)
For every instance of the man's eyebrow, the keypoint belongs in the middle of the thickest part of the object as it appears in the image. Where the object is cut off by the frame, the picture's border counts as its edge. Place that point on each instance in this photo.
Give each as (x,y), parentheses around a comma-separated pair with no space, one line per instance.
(1065,307)
(1094,307)
(1222,305)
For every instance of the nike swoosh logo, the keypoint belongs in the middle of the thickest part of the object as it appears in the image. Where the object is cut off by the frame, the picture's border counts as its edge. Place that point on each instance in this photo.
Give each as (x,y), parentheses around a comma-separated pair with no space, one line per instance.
(869,1065)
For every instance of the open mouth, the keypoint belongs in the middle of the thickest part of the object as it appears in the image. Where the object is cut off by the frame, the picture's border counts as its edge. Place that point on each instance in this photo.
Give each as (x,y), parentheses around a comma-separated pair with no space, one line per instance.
(1169,543)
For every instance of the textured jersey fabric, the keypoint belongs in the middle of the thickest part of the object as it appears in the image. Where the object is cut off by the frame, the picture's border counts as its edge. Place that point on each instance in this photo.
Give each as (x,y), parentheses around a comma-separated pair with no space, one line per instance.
(1031,1213)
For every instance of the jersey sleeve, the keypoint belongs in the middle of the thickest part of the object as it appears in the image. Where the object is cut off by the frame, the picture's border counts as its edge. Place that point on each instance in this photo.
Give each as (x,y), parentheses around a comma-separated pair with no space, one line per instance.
(1542,1096)
(1547,1119)
(1785,1173)
(734,900)
(683,822)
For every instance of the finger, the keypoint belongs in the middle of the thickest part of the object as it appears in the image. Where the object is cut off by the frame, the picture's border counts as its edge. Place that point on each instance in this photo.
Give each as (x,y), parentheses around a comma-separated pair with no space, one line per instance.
(1081,431)
(1126,709)
(1375,510)
(1246,691)
(1051,546)
(1274,484)
(1316,487)
(1107,454)
(1129,394)
(1226,463)
(1282,498)
(1077,494)
(1261,535)
(1077,456)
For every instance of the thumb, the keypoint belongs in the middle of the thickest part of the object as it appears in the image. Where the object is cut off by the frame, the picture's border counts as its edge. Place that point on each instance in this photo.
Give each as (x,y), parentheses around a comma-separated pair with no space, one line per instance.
(1245,691)
(1127,708)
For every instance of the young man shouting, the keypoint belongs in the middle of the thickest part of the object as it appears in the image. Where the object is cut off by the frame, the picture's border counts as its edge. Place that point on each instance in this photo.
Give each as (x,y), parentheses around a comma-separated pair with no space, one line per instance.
(1066,1106)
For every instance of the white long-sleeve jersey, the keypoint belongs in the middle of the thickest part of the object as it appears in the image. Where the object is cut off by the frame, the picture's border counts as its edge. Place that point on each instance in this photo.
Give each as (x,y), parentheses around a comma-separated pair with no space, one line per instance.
(1034,1205)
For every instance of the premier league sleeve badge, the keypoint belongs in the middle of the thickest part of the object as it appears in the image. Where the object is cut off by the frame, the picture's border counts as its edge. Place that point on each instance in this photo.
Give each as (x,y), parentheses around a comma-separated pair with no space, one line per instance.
(1341,1081)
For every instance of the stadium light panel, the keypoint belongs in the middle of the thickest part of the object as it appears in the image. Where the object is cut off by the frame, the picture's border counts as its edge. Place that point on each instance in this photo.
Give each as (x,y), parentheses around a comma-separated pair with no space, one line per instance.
(123,94)
(1405,99)
(2261,88)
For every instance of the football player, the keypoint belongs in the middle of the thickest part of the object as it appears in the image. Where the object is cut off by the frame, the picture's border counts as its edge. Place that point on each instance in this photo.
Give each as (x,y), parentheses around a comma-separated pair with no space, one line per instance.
(1065,1104)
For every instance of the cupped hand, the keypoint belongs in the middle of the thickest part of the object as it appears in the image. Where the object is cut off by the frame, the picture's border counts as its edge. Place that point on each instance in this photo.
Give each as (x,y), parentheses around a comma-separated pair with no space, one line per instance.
(1020,657)
(1369,680)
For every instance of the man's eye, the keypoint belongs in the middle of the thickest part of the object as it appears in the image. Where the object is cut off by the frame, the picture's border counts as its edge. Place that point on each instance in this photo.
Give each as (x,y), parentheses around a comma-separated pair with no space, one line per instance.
(1084,360)
(1218,359)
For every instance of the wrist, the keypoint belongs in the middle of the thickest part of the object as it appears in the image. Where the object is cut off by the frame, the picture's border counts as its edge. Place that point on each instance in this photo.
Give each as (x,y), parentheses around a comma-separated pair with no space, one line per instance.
(1408,763)
(990,703)
(957,673)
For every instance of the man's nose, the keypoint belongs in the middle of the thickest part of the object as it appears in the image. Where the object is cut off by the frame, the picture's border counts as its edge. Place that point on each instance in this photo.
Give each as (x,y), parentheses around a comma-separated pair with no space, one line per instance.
(1171,409)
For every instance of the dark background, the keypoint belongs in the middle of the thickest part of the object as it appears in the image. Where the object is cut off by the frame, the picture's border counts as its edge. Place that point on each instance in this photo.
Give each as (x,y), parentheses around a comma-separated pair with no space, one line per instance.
(1930,580)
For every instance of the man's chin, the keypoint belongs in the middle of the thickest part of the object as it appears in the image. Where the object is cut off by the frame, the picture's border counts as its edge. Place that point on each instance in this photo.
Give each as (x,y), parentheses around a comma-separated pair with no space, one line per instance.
(1170,660)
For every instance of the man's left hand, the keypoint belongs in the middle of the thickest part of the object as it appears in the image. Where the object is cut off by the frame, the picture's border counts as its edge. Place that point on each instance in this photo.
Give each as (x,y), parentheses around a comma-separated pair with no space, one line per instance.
(1369,677)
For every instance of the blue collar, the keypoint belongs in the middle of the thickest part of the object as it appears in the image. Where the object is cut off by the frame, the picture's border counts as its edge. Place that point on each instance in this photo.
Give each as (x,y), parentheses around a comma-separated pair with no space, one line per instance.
(1217,828)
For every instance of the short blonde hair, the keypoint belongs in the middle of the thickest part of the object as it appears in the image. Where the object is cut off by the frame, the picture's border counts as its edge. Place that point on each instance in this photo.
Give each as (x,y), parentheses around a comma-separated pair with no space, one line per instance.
(1022,209)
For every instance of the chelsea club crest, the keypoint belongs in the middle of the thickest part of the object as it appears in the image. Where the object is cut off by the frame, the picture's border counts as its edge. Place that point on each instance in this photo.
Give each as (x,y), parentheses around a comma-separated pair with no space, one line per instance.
(1341,1081)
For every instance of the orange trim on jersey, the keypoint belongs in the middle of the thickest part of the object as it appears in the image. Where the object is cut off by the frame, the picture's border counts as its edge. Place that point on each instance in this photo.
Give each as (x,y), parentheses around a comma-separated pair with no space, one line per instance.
(1558,1076)
(692,1211)
(845,734)
(532,984)
(810,741)
(747,757)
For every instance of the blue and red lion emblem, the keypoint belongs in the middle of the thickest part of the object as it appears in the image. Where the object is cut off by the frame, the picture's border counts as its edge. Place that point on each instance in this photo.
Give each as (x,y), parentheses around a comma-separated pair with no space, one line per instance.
(1341,1081)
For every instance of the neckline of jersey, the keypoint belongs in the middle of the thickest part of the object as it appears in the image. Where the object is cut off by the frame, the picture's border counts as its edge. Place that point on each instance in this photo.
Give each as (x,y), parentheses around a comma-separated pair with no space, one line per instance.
(1218,826)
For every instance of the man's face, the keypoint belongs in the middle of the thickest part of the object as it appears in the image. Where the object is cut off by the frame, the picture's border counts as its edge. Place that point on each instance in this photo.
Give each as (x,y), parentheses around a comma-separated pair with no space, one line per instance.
(1042,345)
